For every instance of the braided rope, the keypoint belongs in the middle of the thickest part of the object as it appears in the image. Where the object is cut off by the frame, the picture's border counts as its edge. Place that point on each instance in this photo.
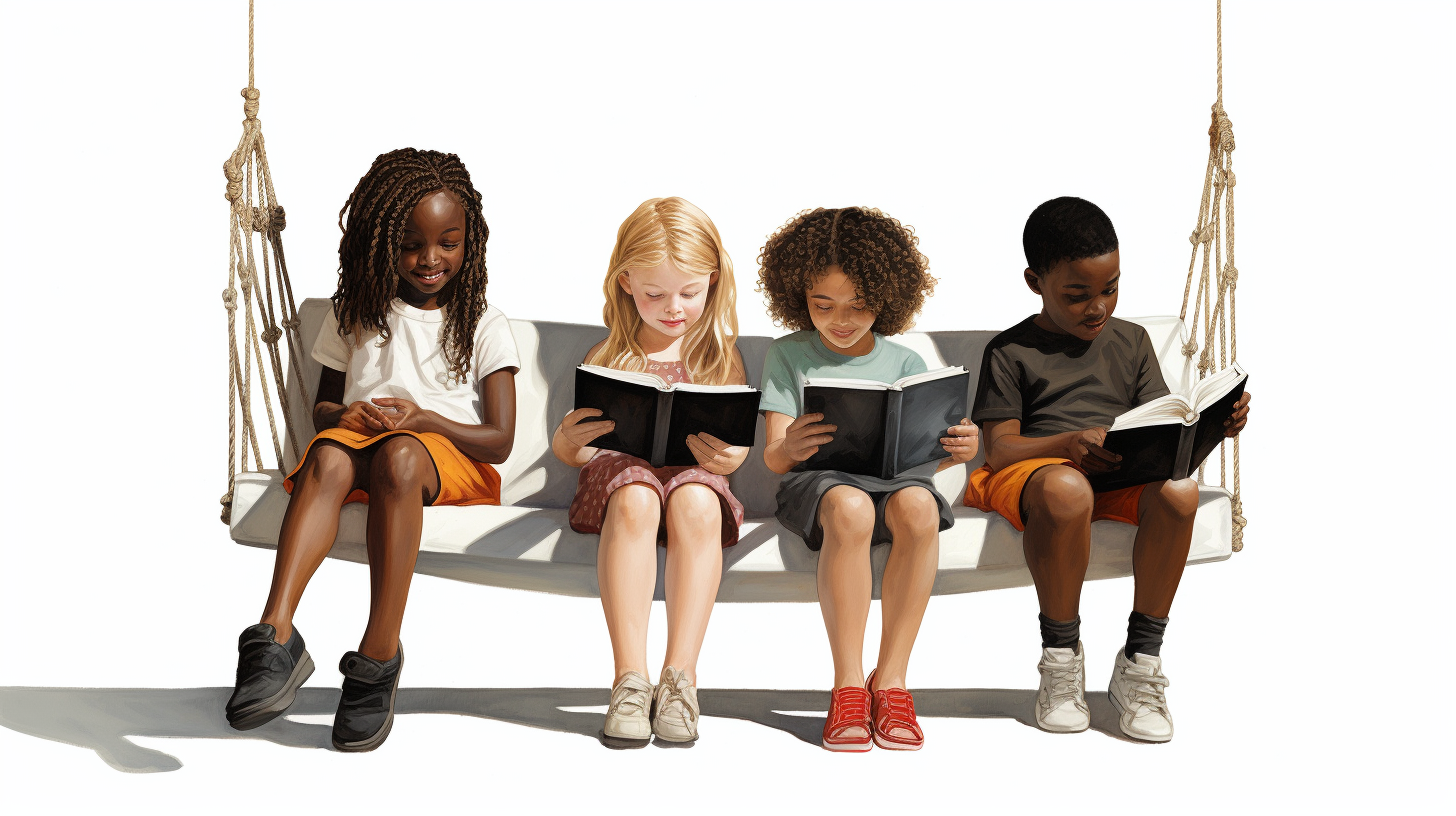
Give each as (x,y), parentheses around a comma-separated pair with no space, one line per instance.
(253,207)
(1218,278)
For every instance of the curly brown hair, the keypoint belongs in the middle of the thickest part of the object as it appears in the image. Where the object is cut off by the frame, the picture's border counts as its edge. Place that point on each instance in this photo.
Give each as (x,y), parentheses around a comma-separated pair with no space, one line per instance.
(373,221)
(878,254)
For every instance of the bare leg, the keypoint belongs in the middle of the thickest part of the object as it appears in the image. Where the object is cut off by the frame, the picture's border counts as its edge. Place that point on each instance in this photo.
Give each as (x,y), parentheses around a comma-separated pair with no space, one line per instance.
(401,480)
(914,521)
(627,573)
(847,516)
(1160,551)
(309,526)
(1058,537)
(694,568)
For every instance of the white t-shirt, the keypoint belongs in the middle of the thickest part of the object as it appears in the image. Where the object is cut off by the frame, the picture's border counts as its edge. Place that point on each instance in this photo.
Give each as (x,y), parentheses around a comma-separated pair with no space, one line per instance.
(412,365)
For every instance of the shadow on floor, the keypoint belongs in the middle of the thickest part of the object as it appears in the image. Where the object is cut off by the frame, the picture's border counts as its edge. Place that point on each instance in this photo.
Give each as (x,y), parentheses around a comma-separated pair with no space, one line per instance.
(103,720)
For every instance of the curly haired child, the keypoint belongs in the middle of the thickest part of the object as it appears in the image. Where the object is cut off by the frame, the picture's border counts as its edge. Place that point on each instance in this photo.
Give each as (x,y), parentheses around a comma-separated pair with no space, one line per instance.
(843,279)
(669,311)
(415,400)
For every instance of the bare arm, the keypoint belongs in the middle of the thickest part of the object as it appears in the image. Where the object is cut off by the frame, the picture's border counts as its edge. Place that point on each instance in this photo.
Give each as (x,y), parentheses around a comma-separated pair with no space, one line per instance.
(1006,446)
(329,410)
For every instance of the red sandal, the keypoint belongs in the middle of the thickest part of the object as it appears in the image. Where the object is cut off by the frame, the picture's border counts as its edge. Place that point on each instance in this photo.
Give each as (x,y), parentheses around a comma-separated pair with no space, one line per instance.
(849,709)
(893,711)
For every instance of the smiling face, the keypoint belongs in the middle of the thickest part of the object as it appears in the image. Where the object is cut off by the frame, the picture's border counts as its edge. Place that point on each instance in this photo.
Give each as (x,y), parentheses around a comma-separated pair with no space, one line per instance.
(1077,297)
(839,315)
(668,300)
(432,249)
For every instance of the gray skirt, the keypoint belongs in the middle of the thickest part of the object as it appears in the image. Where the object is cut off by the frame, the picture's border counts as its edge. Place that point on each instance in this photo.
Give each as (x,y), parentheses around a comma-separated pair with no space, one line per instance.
(800,492)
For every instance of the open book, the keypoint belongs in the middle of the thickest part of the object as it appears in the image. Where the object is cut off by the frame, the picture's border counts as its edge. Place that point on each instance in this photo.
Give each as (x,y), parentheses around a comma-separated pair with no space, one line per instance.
(654,419)
(1169,437)
(886,428)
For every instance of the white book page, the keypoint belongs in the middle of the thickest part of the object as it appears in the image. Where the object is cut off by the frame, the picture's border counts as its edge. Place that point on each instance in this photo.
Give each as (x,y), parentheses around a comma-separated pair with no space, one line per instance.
(1157,412)
(1210,389)
(927,376)
(639,377)
(714,389)
(835,382)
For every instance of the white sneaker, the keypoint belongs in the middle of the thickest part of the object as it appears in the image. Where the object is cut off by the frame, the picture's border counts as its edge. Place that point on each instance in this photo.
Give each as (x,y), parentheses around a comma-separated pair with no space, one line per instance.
(1061,702)
(675,708)
(627,720)
(1136,690)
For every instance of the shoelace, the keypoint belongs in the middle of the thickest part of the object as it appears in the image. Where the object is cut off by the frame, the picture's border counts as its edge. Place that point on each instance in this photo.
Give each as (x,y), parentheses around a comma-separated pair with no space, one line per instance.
(1146,689)
(850,707)
(896,710)
(629,698)
(675,705)
(1064,684)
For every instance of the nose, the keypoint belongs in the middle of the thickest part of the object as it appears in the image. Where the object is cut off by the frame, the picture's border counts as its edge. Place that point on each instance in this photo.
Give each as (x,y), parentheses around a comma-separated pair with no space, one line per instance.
(430,257)
(674,304)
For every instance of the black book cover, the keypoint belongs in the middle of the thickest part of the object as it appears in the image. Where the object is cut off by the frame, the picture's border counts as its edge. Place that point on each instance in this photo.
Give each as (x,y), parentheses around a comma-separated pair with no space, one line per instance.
(654,424)
(885,432)
(1154,453)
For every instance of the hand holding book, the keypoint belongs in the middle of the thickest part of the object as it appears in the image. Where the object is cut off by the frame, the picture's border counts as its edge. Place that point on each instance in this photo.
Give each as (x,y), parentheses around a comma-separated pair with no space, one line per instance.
(714,455)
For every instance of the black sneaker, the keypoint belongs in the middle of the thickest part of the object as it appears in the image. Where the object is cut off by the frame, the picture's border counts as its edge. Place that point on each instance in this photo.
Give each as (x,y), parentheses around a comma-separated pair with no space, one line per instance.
(269,676)
(366,703)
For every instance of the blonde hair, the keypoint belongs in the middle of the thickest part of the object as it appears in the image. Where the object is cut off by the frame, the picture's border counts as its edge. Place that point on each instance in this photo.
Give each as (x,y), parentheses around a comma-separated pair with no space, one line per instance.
(663,229)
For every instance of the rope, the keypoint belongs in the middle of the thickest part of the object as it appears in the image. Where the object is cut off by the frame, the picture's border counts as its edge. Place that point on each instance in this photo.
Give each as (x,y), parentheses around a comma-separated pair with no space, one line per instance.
(253,208)
(1214,300)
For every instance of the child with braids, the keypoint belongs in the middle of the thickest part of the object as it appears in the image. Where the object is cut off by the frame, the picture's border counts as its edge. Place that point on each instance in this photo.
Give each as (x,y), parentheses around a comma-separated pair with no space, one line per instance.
(416,397)
(669,312)
(844,278)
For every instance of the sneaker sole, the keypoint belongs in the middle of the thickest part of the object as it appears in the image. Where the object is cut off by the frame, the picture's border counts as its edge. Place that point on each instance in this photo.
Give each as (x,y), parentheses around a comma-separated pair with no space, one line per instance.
(848,747)
(897,746)
(1127,733)
(265,711)
(623,743)
(378,738)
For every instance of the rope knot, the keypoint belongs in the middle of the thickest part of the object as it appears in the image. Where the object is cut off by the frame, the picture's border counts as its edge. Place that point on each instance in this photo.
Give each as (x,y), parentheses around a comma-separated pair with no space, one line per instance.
(291,323)
(1230,276)
(1221,130)
(1202,235)
(234,175)
(1224,178)
(1190,348)
(230,298)
(250,103)
(271,335)
(277,218)
(260,219)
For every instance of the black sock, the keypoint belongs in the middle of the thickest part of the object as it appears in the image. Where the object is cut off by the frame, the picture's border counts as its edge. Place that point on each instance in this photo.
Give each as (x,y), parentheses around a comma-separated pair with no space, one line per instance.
(1144,635)
(1060,634)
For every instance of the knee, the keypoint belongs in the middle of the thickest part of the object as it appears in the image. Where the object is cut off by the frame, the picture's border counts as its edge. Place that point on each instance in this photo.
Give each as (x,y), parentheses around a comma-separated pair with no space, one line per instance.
(328,464)
(846,512)
(694,504)
(913,510)
(634,505)
(399,463)
(1178,499)
(1059,493)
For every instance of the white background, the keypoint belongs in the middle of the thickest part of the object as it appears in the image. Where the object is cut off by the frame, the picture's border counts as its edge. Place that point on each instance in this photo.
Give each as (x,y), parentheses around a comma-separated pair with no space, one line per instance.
(1310,670)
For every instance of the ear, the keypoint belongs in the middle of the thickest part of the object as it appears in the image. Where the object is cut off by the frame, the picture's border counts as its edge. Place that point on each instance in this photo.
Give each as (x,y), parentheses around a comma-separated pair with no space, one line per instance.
(624,281)
(1032,281)
(713,278)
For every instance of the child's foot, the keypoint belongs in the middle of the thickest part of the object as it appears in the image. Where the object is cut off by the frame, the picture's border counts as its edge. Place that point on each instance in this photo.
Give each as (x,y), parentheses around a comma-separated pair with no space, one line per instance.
(366,703)
(1136,691)
(1061,702)
(269,675)
(675,707)
(628,724)
(893,712)
(848,726)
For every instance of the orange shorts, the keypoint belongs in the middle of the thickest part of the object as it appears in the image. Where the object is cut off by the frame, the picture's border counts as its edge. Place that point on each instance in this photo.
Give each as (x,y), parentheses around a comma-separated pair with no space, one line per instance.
(463,481)
(1000,492)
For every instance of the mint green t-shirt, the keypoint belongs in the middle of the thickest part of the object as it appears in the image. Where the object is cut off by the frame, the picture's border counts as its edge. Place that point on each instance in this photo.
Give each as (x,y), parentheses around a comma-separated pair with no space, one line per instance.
(803,354)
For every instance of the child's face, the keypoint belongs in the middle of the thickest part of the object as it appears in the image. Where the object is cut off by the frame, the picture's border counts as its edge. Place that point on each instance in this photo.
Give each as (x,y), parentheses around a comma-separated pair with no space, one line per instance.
(433,246)
(1077,297)
(668,299)
(839,314)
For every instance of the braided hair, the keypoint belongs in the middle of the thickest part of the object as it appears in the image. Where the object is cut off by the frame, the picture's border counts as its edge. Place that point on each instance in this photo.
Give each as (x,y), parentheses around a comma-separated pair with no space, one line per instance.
(373,221)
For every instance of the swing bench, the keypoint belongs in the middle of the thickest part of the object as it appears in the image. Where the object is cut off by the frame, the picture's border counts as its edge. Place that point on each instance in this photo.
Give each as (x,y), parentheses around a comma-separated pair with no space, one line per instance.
(526,542)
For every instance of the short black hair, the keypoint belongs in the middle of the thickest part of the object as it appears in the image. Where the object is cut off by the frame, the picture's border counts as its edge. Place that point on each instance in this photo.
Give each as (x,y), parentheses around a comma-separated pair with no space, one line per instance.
(1066,229)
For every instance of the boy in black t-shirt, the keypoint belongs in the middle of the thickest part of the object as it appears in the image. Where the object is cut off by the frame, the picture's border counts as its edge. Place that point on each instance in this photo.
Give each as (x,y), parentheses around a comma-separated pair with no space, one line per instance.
(1050,386)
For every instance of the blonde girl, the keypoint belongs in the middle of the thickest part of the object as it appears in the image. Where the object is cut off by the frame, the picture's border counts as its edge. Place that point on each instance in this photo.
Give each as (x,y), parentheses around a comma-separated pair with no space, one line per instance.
(669,311)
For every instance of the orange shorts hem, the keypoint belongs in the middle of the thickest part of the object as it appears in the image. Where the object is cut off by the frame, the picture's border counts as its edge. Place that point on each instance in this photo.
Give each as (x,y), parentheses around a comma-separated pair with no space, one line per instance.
(1000,492)
(463,481)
